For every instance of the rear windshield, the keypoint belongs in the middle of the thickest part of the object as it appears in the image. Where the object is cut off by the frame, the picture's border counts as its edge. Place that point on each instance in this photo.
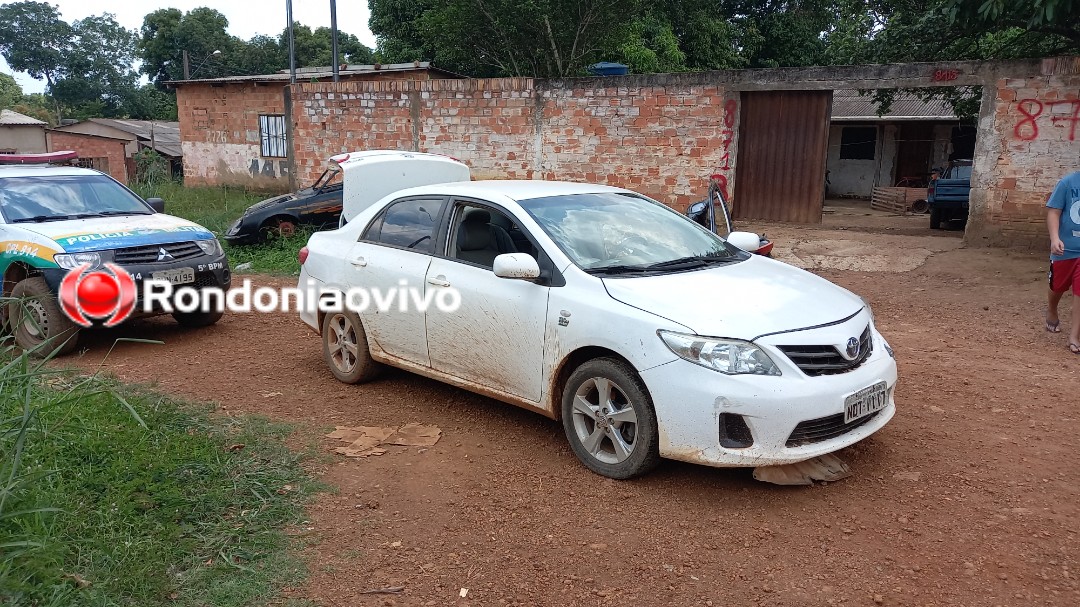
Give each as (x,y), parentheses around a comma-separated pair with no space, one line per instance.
(960,172)
(57,197)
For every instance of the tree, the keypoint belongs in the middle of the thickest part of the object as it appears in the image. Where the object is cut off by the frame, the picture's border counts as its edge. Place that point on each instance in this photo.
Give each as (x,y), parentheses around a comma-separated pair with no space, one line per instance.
(97,70)
(166,33)
(33,39)
(10,92)
(546,38)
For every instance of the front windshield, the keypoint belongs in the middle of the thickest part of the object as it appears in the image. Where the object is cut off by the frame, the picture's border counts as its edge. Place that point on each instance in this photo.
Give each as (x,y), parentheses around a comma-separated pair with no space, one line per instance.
(612,230)
(329,177)
(57,197)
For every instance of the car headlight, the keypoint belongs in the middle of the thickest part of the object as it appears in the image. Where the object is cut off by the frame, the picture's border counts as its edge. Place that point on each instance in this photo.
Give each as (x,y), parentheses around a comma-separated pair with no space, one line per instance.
(888,348)
(235,227)
(210,247)
(730,356)
(70,261)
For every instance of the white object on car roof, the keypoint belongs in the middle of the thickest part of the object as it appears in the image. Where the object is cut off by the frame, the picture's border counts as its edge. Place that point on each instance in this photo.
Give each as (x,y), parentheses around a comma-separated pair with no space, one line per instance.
(370,175)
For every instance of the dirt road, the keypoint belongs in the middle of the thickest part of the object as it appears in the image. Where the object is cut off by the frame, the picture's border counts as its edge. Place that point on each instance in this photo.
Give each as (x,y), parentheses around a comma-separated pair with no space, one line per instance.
(969,497)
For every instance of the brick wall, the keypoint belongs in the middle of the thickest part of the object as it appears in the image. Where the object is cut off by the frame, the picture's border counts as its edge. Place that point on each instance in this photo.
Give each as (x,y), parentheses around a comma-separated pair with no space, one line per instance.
(92,146)
(219,135)
(662,134)
(1032,139)
(219,129)
(663,140)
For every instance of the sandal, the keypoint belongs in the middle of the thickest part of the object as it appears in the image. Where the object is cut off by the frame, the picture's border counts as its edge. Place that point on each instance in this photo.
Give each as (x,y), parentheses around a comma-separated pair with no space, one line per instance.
(1074,348)
(1053,327)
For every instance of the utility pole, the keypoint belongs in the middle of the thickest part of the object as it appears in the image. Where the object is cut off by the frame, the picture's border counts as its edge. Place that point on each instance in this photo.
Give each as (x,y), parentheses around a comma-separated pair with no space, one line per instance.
(187,66)
(333,37)
(292,43)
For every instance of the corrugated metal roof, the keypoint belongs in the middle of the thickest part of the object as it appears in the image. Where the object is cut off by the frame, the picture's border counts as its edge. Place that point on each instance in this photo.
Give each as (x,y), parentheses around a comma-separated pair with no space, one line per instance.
(849,105)
(9,117)
(321,72)
(166,135)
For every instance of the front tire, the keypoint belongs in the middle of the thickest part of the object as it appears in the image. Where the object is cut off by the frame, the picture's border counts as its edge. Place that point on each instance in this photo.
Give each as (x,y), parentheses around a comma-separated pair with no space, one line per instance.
(345,348)
(609,420)
(39,325)
(198,319)
(935,218)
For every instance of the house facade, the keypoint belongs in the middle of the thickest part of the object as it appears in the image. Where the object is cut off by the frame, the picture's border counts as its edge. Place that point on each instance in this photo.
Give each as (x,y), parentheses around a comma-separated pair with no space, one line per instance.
(900,146)
(21,134)
(234,130)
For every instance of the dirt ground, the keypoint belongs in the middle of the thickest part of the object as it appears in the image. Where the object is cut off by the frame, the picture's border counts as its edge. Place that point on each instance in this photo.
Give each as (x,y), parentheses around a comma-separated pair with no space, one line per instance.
(968,497)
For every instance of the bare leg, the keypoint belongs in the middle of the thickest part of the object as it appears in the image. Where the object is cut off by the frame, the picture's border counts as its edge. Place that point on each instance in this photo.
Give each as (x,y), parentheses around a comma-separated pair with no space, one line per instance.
(1074,330)
(1052,319)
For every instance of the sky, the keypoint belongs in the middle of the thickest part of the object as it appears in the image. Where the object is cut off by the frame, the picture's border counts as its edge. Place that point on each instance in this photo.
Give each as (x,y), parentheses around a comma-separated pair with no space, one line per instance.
(246,19)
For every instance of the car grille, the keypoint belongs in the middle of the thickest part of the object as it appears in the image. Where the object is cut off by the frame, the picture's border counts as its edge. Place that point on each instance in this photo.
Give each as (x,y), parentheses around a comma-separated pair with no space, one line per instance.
(827,360)
(149,253)
(824,428)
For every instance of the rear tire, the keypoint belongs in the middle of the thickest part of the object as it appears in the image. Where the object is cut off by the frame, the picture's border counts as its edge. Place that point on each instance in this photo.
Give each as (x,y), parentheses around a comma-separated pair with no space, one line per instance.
(935,218)
(609,420)
(39,325)
(345,348)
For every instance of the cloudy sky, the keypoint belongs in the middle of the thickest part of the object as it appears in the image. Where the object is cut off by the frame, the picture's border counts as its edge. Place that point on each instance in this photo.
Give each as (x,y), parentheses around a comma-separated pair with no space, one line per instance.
(246,18)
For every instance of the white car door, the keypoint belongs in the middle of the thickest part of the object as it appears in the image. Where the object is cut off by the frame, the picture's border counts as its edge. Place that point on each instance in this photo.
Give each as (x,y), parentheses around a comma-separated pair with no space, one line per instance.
(392,256)
(496,337)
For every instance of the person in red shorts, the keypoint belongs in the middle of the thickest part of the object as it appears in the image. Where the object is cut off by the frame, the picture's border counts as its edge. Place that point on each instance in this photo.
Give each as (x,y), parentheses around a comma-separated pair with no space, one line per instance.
(1063,223)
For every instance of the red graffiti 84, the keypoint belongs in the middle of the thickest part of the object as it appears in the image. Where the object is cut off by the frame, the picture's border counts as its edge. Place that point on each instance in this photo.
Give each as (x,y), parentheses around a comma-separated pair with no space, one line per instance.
(1027,128)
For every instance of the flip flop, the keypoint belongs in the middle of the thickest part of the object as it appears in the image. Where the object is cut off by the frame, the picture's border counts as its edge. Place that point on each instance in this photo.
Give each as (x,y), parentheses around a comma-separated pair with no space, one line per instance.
(1053,327)
(1074,348)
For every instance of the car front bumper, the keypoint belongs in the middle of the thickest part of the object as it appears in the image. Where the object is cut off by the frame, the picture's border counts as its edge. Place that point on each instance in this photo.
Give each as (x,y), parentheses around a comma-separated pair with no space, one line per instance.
(689,400)
(210,272)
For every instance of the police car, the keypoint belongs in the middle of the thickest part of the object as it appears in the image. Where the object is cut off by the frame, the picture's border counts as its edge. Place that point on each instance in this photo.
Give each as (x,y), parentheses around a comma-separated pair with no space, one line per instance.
(55,218)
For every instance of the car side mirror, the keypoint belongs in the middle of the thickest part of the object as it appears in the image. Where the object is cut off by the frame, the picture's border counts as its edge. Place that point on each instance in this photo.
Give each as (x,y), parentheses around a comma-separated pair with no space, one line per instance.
(516,265)
(696,208)
(747,241)
(157,204)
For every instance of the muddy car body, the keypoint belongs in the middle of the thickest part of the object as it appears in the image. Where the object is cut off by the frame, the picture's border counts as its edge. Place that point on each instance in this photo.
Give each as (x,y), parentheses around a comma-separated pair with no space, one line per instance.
(648,335)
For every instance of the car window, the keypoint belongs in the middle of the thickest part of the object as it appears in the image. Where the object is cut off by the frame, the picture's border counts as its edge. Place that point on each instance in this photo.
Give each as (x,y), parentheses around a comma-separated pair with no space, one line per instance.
(409,224)
(481,233)
(58,197)
(960,172)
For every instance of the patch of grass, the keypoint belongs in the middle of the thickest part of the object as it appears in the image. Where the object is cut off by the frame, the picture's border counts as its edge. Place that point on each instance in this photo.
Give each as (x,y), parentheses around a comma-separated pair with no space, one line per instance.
(114,495)
(215,208)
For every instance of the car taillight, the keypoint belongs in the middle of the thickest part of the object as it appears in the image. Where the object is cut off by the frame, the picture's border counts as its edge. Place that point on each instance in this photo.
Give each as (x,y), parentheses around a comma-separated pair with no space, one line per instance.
(302,255)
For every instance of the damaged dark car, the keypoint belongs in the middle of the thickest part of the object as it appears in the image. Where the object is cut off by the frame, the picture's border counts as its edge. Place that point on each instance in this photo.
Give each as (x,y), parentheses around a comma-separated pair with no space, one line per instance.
(317,206)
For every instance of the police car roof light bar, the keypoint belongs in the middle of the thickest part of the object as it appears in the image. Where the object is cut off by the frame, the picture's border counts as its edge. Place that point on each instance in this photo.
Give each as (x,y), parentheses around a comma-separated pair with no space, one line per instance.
(48,158)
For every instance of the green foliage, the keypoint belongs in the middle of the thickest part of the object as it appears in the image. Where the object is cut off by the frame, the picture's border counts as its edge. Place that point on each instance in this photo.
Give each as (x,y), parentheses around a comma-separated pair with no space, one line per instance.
(544,38)
(151,169)
(111,495)
(10,92)
(651,47)
(34,39)
(216,209)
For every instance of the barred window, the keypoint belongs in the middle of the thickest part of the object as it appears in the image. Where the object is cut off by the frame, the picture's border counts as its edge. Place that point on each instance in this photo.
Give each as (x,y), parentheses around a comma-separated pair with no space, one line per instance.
(272,135)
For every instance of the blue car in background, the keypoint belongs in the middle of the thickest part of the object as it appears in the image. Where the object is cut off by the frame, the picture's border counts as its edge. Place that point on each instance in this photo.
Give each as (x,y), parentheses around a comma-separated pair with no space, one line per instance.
(948,194)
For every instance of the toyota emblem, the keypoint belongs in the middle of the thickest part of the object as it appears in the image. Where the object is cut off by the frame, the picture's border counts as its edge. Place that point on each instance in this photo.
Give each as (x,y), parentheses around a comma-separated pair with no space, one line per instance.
(852,347)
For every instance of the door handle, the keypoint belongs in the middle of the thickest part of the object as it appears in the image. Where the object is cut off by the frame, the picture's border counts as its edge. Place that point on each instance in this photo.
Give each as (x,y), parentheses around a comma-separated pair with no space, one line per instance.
(439,281)
(358,262)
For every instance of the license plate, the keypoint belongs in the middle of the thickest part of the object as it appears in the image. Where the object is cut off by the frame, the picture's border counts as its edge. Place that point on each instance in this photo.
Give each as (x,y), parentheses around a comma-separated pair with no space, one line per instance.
(866,401)
(178,276)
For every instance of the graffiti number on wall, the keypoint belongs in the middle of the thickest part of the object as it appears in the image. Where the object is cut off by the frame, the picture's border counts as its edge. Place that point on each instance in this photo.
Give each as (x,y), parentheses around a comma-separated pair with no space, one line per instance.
(727,135)
(1027,128)
(945,75)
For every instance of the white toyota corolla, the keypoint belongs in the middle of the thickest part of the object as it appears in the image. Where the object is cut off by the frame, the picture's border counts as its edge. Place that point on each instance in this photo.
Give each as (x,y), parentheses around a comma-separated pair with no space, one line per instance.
(647,335)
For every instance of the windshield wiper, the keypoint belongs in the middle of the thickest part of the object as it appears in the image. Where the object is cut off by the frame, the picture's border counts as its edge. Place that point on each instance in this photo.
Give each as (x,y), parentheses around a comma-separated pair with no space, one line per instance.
(691,262)
(617,269)
(40,218)
(104,214)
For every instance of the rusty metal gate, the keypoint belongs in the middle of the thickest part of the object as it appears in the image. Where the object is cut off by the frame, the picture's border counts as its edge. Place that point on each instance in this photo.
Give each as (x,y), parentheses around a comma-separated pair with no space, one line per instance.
(783,141)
